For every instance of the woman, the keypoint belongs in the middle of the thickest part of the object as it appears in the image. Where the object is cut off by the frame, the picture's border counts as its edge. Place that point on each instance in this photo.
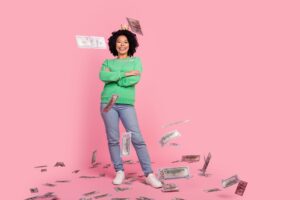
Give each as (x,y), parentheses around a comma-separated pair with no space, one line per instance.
(120,76)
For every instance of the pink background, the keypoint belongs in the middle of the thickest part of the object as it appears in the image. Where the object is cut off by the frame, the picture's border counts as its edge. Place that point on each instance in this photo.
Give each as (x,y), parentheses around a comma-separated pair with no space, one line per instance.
(231,67)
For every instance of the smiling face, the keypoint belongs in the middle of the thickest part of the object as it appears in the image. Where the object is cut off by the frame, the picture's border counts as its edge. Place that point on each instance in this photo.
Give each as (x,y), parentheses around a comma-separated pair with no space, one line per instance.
(122,45)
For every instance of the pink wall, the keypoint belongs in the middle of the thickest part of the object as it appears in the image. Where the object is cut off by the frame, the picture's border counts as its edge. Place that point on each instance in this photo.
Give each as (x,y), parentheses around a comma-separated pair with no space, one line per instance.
(231,67)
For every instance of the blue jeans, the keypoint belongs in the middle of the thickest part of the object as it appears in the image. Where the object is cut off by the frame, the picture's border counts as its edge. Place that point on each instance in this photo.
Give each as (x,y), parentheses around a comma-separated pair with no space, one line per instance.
(127,114)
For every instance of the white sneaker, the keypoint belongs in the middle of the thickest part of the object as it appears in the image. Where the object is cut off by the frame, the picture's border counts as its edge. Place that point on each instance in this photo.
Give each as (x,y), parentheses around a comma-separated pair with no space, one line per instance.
(153,181)
(120,176)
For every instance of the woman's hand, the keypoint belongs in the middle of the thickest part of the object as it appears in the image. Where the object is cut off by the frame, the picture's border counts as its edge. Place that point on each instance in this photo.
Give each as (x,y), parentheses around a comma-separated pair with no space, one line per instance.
(132,73)
(124,27)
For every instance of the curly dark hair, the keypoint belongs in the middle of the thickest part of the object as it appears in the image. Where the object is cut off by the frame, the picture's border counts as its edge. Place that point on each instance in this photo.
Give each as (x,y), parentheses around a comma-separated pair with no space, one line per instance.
(131,37)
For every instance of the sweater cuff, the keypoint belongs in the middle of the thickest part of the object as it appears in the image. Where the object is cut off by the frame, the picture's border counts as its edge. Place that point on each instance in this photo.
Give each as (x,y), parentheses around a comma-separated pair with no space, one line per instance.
(121,75)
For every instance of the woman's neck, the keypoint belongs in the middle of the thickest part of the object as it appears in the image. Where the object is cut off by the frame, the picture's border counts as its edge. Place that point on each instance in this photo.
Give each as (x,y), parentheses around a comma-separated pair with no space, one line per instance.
(122,56)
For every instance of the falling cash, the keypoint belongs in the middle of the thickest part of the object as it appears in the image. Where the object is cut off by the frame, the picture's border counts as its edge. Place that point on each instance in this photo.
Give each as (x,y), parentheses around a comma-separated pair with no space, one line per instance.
(126,141)
(41,166)
(75,171)
(90,42)
(240,189)
(169,136)
(62,181)
(43,170)
(230,181)
(130,162)
(101,196)
(120,199)
(111,102)
(34,190)
(144,198)
(175,161)
(174,173)
(206,162)
(119,189)
(175,123)
(135,25)
(190,158)
(59,164)
(173,144)
(170,187)
(101,175)
(95,165)
(88,177)
(212,190)
(94,156)
(49,184)
(106,166)
(89,193)
(176,198)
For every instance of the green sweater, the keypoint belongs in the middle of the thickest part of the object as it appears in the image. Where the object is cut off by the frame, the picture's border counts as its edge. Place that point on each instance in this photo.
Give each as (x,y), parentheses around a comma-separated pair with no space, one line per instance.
(116,82)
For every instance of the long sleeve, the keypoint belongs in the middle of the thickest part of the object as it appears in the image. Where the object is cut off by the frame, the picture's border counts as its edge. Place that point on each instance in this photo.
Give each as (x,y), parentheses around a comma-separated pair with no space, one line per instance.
(107,76)
(132,80)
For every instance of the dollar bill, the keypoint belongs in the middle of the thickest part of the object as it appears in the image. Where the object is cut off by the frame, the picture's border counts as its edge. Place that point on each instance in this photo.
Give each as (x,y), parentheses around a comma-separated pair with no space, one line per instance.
(143,198)
(101,196)
(49,184)
(175,123)
(89,193)
(230,181)
(135,25)
(119,189)
(169,136)
(62,181)
(126,141)
(94,157)
(40,166)
(34,190)
(212,190)
(95,165)
(173,144)
(107,166)
(88,177)
(90,42)
(59,164)
(170,187)
(174,173)
(120,199)
(206,162)
(240,189)
(111,102)
(43,170)
(176,198)
(75,171)
(190,158)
